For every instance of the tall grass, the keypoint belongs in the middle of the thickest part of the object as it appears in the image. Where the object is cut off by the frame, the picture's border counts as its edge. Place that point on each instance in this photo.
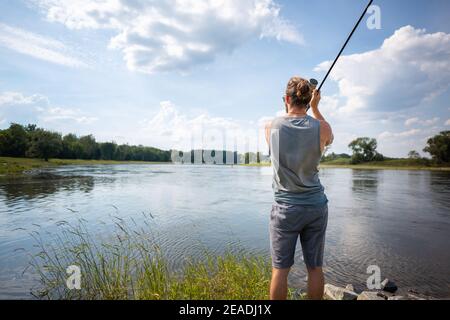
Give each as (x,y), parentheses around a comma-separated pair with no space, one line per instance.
(130,265)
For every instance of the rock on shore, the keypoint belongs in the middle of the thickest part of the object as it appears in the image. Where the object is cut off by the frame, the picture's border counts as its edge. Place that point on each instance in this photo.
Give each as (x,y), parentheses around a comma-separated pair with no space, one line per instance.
(387,292)
(338,293)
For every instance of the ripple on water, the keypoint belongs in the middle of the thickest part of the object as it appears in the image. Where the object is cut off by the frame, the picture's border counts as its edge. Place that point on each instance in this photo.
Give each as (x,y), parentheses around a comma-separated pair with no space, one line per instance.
(397,220)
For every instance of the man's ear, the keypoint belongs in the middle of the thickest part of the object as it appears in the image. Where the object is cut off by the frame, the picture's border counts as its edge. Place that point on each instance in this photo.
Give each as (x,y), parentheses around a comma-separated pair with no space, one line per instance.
(288,100)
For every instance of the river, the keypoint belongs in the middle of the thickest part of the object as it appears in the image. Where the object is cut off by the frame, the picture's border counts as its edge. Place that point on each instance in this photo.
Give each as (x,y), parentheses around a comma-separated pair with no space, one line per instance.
(397,220)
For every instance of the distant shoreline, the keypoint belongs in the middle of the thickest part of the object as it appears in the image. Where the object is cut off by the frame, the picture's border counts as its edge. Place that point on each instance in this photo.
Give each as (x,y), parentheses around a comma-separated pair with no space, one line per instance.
(382,167)
(19,166)
(389,165)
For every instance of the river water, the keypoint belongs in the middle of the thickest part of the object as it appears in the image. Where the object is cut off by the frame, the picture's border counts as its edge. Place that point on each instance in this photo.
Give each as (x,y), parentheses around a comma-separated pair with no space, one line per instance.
(397,220)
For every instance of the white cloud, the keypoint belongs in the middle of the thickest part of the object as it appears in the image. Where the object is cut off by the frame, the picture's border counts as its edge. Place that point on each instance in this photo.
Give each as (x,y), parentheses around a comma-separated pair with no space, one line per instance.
(175,127)
(417,121)
(38,46)
(409,69)
(20,108)
(447,123)
(404,134)
(17,98)
(54,114)
(432,122)
(171,129)
(330,105)
(398,144)
(168,35)
(383,92)
(411,121)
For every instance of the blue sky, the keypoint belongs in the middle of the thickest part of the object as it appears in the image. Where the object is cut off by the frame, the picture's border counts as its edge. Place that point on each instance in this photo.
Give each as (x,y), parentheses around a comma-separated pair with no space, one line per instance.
(190,73)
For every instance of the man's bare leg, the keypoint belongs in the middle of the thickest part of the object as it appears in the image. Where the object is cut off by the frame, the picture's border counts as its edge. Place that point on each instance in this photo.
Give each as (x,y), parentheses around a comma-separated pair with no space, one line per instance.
(279,284)
(315,283)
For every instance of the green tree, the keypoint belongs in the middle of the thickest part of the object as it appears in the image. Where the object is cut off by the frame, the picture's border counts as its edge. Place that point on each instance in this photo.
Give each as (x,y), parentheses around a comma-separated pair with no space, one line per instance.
(31,128)
(365,150)
(89,148)
(107,150)
(121,153)
(439,147)
(44,144)
(247,158)
(31,141)
(251,157)
(14,141)
(71,147)
(334,156)
(413,155)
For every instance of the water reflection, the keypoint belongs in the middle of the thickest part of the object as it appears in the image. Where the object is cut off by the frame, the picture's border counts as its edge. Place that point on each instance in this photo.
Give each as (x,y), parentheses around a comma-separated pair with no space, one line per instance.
(365,182)
(439,188)
(37,188)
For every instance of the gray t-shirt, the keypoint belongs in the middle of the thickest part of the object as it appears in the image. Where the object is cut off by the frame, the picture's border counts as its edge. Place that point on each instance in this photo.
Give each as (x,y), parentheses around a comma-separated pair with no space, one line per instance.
(296,153)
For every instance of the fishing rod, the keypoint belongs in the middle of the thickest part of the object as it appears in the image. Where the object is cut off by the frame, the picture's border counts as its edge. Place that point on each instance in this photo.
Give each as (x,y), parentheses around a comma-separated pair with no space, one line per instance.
(345,45)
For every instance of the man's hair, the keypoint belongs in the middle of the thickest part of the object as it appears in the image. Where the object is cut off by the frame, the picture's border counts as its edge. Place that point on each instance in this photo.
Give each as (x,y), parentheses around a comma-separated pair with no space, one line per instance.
(300,91)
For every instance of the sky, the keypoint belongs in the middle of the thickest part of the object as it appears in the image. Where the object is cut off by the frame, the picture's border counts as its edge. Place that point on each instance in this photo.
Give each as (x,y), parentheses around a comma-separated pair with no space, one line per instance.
(181,74)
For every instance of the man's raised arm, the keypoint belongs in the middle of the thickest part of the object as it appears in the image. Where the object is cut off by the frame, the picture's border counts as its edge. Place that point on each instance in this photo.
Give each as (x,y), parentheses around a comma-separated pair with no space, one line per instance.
(326,133)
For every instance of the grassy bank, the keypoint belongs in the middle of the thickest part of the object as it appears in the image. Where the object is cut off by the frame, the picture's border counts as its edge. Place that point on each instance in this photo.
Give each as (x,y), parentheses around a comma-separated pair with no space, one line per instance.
(130,265)
(264,164)
(392,164)
(395,164)
(17,166)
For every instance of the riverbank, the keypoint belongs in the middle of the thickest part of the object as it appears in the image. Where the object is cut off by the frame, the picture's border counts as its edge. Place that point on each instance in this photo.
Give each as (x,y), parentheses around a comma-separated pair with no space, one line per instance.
(18,166)
(376,166)
(131,266)
(397,164)
(394,164)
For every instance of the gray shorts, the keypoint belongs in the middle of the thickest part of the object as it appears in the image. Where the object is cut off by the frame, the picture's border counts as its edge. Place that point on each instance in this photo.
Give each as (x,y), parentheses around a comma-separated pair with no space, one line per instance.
(290,222)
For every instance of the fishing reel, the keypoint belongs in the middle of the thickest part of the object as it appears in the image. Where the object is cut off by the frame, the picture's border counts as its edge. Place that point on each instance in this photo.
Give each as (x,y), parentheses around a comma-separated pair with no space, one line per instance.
(314,83)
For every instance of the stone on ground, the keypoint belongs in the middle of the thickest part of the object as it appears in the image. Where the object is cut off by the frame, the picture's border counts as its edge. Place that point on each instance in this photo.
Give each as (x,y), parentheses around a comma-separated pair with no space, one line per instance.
(338,293)
(370,295)
(412,296)
(398,298)
(389,286)
(349,287)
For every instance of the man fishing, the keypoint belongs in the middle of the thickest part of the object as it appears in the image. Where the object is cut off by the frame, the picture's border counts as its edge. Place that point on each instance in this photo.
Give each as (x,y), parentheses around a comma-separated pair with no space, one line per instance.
(296,142)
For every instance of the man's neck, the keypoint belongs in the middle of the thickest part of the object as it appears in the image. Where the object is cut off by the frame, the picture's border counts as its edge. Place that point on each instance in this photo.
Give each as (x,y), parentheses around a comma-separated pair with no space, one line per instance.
(294,112)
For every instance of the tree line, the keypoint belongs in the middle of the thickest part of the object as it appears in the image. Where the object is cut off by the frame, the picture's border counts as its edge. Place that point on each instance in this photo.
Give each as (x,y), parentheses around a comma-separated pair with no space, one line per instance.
(33,142)
(365,150)
(218,157)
